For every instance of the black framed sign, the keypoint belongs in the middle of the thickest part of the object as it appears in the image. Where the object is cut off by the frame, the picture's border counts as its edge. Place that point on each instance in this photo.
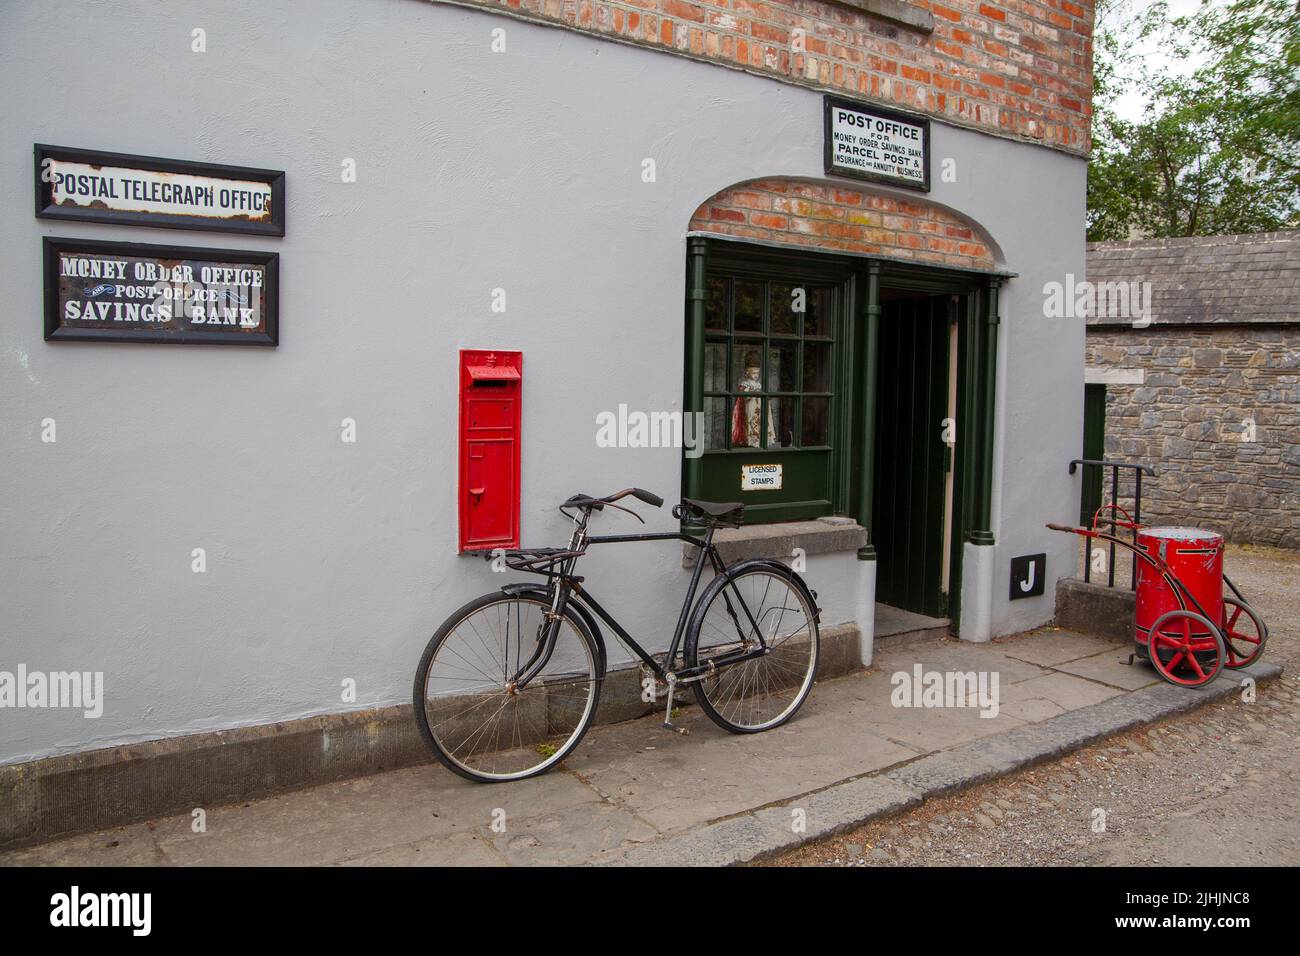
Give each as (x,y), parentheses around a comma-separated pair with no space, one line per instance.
(868,142)
(1028,572)
(92,186)
(130,292)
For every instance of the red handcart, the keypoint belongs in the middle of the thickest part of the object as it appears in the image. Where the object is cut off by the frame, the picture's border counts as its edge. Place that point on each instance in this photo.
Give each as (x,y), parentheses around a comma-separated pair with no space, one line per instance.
(1184,623)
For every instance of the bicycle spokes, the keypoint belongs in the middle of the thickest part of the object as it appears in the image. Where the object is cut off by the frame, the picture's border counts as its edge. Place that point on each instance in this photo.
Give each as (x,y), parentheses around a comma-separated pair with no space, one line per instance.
(486,720)
(760,632)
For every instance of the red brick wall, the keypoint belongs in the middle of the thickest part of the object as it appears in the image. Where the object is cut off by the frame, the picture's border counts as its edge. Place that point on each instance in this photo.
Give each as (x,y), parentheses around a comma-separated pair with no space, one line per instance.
(1020,68)
(848,220)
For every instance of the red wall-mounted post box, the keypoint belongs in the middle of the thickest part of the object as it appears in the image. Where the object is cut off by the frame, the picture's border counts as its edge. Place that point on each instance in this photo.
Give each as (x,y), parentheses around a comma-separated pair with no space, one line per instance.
(491,394)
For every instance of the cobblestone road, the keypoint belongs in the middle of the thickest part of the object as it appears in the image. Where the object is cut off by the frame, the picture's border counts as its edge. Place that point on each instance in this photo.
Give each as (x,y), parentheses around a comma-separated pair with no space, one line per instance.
(1216,787)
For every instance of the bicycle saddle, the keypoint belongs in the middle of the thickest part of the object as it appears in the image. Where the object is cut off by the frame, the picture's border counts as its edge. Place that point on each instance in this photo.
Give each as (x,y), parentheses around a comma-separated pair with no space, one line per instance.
(728,513)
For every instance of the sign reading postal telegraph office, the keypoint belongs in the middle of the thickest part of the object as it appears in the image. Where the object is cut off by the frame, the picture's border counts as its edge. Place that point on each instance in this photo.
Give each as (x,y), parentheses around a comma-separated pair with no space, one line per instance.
(867,142)
(128,292)
(93,186)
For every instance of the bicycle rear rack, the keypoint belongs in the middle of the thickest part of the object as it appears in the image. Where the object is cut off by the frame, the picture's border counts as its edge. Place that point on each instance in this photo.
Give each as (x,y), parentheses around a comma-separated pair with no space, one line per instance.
(536,560)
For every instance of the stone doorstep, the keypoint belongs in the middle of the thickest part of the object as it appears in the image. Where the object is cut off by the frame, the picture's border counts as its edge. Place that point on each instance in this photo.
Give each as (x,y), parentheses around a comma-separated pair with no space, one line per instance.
(96,789)
(895,627)
(766,831)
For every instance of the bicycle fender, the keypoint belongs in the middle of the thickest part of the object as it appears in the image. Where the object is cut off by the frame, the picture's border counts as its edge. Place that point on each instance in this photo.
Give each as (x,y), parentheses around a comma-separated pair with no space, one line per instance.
(775,565)
(589,619)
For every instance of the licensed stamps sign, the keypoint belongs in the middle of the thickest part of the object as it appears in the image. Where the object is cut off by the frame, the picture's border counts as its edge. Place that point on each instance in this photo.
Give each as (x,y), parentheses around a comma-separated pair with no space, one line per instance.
(760,477)
(93,186)
(127,292)
(867,142)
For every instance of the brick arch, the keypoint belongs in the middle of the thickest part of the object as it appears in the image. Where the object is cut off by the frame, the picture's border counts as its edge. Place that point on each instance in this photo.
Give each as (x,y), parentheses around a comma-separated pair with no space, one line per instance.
(832,217)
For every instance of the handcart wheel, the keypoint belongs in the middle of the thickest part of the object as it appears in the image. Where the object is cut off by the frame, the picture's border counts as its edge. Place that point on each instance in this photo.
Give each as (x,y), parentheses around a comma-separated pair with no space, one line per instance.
(1244,633)
(1186,649)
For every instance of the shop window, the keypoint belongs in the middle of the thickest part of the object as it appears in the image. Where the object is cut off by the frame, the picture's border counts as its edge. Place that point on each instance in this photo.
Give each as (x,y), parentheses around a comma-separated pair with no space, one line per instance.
(770,384)
(768,360)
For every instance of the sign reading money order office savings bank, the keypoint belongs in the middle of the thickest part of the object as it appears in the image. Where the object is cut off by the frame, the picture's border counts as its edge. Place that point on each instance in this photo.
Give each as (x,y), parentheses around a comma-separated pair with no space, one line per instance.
(867,142)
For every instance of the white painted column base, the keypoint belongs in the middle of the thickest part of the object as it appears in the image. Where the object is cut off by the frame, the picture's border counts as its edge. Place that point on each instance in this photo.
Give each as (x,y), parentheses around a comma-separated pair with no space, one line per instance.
(977,593)
(866,611)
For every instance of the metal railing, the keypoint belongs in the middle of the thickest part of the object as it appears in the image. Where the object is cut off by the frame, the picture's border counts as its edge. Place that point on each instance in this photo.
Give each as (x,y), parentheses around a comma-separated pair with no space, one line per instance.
(1138,471)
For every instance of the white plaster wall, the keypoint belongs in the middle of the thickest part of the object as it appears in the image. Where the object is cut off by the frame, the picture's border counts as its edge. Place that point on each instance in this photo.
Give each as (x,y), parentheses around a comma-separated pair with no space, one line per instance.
(476,170)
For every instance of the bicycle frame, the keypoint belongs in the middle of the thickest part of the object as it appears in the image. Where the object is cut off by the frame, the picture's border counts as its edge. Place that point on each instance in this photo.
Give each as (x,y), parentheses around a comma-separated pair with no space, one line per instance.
(568,586)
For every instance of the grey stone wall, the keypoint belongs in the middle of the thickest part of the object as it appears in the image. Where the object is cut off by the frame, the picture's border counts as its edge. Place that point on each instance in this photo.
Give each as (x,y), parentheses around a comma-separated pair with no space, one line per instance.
(1191,420)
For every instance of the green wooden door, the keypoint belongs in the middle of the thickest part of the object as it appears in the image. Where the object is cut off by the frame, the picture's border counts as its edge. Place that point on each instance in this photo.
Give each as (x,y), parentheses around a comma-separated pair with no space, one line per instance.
(1094,447)
(911,458)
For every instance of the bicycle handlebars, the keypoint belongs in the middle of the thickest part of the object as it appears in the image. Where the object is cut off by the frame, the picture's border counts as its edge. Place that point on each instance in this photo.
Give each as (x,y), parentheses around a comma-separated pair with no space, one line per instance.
(596,504)
(641,494)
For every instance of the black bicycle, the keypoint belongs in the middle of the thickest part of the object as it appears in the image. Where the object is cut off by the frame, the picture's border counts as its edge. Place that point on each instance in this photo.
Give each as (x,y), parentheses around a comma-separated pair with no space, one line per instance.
(509,684)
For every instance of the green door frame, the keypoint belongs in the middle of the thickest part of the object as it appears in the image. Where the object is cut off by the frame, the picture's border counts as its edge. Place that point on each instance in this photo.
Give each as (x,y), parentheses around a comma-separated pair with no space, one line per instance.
(977,343)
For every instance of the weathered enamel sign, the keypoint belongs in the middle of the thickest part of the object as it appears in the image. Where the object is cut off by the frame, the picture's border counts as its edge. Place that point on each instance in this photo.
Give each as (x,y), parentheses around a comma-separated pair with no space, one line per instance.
(128,292)
(92,186)
(867,142)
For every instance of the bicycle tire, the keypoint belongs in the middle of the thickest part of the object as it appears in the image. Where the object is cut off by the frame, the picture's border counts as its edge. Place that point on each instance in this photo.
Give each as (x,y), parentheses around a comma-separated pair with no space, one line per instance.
(702,689)
(420,698)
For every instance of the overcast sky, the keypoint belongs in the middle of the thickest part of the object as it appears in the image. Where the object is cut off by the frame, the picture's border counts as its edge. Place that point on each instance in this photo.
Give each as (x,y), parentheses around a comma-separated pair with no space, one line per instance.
(1131,105)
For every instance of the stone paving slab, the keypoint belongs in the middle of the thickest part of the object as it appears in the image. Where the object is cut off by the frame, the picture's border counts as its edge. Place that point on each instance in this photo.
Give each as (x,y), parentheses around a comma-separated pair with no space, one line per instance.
(1062,646)
(1052,694)
(635,793)
(1112,667)
(463,849)
(659,774)
(946,655)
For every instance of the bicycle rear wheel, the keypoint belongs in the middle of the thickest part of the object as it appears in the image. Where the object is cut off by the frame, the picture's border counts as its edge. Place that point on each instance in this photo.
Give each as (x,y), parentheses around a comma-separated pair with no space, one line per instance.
(468,703)
(765,691)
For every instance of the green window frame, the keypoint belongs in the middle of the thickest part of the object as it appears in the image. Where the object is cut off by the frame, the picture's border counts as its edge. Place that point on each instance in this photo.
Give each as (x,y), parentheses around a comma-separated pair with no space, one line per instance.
(792,412)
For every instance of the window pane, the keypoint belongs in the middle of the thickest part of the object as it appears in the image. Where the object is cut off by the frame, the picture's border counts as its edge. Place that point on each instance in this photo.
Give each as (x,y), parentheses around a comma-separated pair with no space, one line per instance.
(816,421)
(781,367)
(715,422)
(817,321)
(749,306)
(784,318)
(816,367)
(715,367)
(745,421)
(780,426)
(715,304)
(746,370)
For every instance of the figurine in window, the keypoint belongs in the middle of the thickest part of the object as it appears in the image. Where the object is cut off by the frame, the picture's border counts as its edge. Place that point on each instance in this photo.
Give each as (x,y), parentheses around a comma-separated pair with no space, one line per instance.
(747,413)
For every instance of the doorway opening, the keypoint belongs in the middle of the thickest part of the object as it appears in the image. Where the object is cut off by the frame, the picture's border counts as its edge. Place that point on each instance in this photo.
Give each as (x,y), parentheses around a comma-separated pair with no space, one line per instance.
(1094,449)
(916,419)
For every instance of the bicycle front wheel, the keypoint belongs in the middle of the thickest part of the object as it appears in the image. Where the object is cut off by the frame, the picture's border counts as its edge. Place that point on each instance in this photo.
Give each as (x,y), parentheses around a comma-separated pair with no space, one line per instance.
(763,606)
(474,711)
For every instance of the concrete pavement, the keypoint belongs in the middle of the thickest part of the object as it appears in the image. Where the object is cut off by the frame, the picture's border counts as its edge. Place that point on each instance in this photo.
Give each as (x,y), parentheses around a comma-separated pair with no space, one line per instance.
(635,793)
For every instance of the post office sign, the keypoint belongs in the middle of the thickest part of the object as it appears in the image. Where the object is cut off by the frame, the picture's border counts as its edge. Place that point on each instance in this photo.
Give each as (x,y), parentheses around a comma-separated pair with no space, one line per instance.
(760,477)
(129,292)
(93,186)
(867,142)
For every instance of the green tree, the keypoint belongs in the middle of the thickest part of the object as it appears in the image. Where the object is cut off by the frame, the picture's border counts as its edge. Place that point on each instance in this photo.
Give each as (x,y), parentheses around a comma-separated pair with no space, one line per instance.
(1218,148)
